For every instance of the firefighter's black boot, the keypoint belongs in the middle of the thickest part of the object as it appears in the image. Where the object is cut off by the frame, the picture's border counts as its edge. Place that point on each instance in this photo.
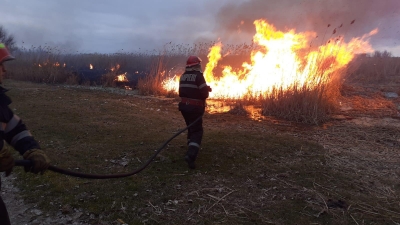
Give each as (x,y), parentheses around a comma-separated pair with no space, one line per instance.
(191,156)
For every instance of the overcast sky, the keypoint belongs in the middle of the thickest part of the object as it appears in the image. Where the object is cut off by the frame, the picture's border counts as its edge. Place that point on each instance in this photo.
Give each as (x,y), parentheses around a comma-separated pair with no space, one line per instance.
(110,26)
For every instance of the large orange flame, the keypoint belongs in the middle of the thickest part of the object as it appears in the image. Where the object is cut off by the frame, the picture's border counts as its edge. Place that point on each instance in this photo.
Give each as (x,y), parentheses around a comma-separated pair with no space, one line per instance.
(285,60)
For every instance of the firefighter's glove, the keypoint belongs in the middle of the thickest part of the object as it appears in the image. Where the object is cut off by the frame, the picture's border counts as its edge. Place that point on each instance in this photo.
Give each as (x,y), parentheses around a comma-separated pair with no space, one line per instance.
(209,89)
(6,161)
(40,161)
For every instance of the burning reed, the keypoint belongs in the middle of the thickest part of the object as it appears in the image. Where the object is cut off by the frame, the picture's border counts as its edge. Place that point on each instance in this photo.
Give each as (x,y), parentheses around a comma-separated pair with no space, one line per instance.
(292,79)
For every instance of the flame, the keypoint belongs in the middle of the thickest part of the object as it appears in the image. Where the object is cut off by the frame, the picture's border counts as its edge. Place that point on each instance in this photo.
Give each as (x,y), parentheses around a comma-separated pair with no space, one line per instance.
(56,64)
(213,57)
(121,78)
(171,84)
(127,88)
(115,68)
(284,60)
(91,66)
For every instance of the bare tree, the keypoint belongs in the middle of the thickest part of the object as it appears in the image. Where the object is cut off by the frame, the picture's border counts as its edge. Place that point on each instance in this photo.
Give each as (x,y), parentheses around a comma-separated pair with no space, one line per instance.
(384,54)
(7,39)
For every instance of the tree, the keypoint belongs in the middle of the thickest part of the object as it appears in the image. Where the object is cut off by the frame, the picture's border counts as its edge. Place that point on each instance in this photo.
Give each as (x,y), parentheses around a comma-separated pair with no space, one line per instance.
(7,39)
(384,54)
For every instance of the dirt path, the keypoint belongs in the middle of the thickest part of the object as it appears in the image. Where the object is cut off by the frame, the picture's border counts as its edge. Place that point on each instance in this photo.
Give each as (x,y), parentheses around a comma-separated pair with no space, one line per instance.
(22,213)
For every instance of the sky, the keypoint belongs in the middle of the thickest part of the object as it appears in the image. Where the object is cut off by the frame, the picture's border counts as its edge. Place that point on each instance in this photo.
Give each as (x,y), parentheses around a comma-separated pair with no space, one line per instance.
(135,25)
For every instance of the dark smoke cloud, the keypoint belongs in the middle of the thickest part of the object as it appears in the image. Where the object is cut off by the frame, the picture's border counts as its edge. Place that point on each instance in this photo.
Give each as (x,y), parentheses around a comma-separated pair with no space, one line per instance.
(314,15)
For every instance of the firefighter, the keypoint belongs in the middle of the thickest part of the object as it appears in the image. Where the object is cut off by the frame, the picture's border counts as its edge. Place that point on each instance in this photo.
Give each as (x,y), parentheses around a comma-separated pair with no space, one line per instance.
(193,91)
(16,134)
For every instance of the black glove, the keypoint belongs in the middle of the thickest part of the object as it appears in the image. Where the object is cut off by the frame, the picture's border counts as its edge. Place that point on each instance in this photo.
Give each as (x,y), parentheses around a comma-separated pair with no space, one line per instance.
(209,89)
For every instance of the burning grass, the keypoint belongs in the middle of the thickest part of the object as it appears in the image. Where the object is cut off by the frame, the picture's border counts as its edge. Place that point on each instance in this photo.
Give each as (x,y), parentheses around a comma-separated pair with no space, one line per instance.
(292,79)
(248,171)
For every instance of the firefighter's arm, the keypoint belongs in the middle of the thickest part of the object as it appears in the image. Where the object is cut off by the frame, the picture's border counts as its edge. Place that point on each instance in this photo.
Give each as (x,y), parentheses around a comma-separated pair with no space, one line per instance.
(6,158)
(203,87)
(18,136)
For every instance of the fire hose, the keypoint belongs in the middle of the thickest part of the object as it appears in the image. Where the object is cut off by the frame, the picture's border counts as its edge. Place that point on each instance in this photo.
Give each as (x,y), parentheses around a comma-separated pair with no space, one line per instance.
(28,163)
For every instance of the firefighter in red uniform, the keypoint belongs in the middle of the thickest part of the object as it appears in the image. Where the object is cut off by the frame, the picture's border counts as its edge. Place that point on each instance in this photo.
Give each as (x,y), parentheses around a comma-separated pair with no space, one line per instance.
(193,91)
(15,133)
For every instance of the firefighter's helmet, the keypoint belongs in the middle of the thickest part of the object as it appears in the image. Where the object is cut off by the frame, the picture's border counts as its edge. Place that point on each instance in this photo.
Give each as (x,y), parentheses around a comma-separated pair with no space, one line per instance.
(192,61)
(4,54)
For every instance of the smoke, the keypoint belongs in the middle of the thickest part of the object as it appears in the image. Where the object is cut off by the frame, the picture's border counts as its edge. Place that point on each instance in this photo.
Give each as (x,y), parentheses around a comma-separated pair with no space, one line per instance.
(235,21)
(103,26)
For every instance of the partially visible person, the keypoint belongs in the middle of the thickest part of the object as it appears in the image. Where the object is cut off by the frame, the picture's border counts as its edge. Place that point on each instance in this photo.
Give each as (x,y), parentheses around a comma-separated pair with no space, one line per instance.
(193,91)
(16,134)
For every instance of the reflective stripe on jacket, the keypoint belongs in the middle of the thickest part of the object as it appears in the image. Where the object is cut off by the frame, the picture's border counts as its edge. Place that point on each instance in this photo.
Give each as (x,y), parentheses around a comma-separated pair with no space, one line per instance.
(193,85)
(12,129)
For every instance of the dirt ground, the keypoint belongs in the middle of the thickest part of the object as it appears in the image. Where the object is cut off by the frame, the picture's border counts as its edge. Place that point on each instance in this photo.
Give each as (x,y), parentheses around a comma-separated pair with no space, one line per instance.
(363,140)
(22,213)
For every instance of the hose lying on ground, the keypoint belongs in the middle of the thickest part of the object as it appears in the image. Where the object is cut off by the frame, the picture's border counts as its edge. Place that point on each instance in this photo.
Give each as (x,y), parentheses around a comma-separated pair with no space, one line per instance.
(106,176)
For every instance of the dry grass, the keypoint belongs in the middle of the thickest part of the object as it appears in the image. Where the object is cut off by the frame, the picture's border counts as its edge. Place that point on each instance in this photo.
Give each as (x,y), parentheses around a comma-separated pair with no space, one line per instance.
(304,104)
(152,84)
(45,74)
(373,69)
(55,62)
